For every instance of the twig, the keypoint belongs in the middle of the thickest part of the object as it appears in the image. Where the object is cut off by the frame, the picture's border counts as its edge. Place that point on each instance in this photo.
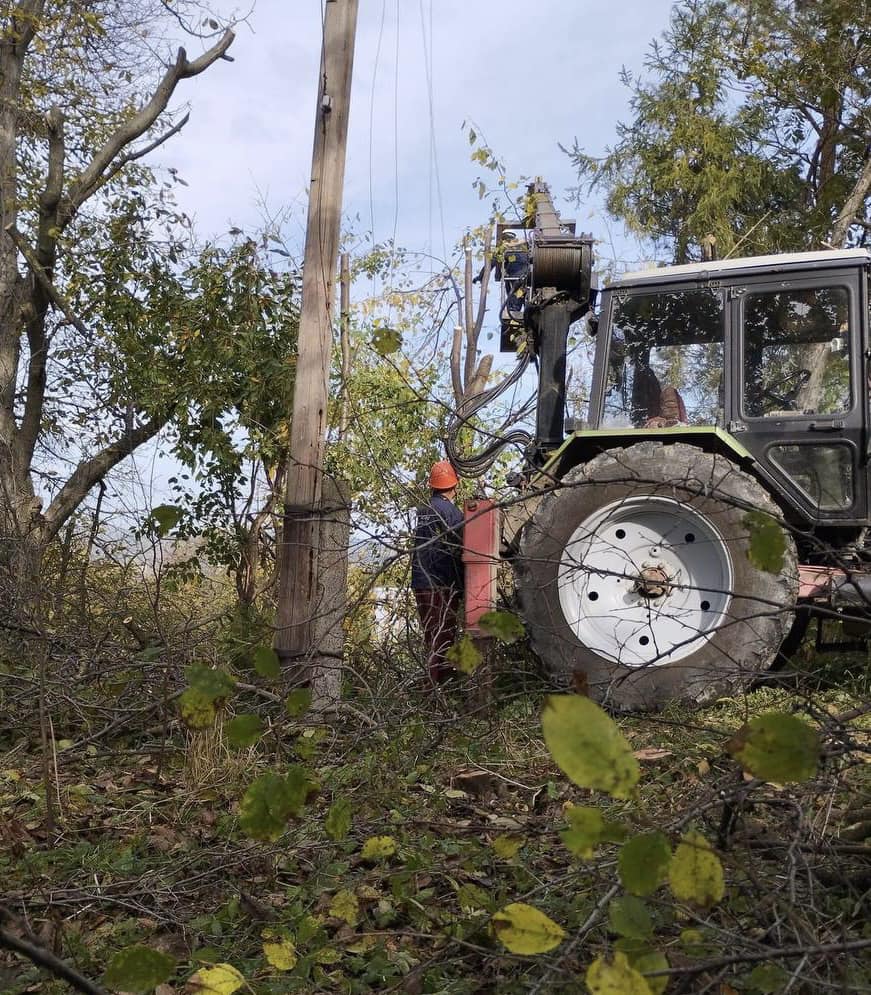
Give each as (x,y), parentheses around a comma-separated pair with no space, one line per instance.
(772,953)
(46,959)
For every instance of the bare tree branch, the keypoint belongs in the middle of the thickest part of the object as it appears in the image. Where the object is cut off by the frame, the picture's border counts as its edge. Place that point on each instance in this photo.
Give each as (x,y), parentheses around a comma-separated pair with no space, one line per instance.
(770,953)
(94,174)
(471,338)
(54,295)
(38,955)
(485,284)
(146,149)
(852,204)
(89,471)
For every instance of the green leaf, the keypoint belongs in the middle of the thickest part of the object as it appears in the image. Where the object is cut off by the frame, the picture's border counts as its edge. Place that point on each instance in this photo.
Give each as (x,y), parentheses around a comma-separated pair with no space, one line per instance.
(213,684)
(628,916)
(222,979)
(616,978)
(266,662)
(386,340)
(464,655)
(378,848)
(644,959)
(298,702)
(650,961)
(271,800)
(197,709)
(300,788)
(768,977)
(167,516)
(767,542)
(695,873)
(523,929)
(587,745)
(693,942)
(777,747)
(506,847)
(244,730)
(471,898)
(505,626)
(588,828)
(643,863)
(338,821)
(138,969)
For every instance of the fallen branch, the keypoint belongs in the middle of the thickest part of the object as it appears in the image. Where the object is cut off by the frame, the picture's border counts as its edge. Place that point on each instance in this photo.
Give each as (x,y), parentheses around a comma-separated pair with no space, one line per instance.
(46,959)
(771,953)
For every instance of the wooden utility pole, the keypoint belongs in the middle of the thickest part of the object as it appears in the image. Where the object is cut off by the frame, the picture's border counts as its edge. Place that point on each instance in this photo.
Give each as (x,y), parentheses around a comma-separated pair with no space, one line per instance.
(300,589)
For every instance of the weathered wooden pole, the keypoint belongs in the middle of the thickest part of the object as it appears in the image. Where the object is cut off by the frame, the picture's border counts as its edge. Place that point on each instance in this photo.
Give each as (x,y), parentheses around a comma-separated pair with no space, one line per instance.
(299,587)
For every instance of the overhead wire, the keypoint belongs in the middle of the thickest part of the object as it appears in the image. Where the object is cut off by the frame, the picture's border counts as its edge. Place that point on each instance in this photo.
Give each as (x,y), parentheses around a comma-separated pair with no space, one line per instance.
(427,39)
(372,125)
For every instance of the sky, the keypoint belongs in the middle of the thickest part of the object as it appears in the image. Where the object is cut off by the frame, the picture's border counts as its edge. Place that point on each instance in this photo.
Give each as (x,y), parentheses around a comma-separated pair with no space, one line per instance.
(527,76)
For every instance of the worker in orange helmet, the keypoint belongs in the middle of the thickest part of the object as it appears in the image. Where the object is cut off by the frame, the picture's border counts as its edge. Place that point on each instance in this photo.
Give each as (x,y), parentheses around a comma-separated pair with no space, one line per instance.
(437,568)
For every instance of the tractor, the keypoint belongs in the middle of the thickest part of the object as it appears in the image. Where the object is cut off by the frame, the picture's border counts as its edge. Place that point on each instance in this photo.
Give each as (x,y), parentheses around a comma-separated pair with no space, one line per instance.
(675,544)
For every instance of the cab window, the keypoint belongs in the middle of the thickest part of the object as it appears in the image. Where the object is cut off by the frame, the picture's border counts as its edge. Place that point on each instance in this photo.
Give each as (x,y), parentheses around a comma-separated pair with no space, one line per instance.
(796,352)
(665,360)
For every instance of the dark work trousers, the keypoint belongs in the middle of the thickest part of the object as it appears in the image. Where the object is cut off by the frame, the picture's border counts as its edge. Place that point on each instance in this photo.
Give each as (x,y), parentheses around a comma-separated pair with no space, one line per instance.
(438,608)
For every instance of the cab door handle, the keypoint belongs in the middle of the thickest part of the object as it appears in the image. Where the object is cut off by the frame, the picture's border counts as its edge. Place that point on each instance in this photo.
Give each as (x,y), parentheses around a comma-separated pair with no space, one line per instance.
(830,426)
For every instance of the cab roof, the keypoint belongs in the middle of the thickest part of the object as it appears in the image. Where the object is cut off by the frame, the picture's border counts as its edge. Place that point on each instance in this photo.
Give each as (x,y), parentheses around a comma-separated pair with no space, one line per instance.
(749,265)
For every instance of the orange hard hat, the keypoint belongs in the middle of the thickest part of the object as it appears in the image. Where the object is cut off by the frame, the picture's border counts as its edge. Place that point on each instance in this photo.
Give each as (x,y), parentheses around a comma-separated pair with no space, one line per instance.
(442,476)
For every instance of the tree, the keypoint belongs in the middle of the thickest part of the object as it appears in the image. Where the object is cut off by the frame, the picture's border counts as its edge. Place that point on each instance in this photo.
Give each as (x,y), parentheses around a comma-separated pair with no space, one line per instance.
(751,124)
(83,90)
(236,321)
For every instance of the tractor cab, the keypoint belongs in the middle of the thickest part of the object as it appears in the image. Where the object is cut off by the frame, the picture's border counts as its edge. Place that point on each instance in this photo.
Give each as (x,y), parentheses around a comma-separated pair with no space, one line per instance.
(767,355)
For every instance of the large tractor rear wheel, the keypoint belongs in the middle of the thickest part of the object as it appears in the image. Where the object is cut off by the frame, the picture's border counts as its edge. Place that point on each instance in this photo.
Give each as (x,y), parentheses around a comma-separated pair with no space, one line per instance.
(634,578)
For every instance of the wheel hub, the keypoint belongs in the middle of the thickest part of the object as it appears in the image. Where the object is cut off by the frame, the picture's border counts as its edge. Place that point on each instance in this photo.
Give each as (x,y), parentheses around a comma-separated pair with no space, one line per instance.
(653,582)
(645,581)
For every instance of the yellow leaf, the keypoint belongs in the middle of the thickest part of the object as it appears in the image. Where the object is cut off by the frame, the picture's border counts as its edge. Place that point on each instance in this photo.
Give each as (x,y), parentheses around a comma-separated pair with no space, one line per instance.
(345,906)
(363,945)
(281,955)
(506,847)
(522,929)
(464,655)
(222,979)
(618,978)
(197,710)
(327,955)
(378,847)
(695,873)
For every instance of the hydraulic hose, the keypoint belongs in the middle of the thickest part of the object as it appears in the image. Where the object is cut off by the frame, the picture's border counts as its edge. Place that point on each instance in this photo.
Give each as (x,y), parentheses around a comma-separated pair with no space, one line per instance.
(478,463)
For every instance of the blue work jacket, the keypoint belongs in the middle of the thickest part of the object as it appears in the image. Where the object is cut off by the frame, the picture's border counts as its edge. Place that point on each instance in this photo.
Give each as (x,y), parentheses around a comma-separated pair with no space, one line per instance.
(436,560)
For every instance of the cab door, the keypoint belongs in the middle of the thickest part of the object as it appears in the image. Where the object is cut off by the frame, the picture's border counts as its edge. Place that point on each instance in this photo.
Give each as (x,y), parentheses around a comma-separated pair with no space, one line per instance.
(798,405)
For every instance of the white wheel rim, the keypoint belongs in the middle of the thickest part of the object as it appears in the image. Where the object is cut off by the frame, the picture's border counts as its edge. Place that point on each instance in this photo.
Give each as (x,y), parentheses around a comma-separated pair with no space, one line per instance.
(645,581)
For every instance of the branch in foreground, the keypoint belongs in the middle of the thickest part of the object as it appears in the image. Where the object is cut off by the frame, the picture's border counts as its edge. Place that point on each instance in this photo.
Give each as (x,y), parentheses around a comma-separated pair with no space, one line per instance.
(46,959)
(771,954)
